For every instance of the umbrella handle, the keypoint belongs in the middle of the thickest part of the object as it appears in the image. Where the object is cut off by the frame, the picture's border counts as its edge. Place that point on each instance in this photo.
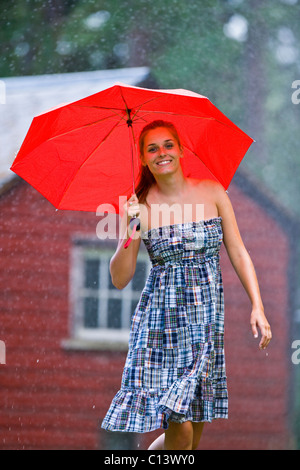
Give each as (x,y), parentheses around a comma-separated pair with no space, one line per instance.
(135,222)
(135,225)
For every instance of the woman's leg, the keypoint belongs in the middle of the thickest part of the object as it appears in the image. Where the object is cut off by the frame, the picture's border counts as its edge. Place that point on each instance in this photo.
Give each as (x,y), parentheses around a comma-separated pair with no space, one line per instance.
(158,444)
(197,433)
(179,436)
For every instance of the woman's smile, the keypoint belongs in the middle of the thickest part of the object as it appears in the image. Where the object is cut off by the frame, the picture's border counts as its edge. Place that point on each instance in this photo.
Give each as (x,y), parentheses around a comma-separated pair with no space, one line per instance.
(164,162)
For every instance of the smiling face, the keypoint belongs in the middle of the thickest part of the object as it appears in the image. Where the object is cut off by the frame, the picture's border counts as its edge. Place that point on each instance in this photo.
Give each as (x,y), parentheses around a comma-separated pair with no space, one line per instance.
(161,151)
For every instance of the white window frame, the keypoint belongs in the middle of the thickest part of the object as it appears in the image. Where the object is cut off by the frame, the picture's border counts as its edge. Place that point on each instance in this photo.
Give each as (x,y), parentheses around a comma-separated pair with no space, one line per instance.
(101,337)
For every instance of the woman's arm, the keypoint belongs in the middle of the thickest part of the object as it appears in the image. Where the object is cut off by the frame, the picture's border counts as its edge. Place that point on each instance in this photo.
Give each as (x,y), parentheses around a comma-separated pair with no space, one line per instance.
(123,262)
(243,266)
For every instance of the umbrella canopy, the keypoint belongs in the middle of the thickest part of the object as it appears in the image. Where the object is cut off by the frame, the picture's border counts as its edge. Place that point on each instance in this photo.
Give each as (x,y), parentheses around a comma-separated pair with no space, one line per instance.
(84,154)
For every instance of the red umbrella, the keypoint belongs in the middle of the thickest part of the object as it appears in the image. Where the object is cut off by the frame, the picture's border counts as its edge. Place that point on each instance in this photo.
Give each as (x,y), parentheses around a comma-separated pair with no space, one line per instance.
(84,154)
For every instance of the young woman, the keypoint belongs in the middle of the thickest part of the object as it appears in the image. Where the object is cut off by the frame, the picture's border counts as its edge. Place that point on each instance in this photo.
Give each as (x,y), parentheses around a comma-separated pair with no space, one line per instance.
(174,377)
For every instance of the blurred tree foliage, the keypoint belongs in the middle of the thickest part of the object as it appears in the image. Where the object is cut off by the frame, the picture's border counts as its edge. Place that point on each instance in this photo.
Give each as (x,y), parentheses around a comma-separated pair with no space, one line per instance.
(244,55)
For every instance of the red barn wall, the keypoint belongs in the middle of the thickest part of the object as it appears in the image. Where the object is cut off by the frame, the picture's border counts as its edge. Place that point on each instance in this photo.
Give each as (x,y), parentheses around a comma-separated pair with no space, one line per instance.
(258,381)
(52,398)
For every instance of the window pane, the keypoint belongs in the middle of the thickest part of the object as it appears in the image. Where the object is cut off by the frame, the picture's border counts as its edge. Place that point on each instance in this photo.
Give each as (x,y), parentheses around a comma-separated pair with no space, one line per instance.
(110,284)
(114,313)
(118,440)
(92,273)
(133,306)
(90,313)
(138,280)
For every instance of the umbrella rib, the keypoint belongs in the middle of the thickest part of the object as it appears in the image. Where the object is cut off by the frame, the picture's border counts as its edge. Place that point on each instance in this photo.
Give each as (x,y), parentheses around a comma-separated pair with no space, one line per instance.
(94,123)
(171,113)
(83,163)
(130,128)
(97,107)
(141,104)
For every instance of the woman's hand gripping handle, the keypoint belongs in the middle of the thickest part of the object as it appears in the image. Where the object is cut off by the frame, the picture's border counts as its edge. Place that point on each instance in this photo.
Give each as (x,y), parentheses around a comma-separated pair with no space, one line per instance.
(132,209)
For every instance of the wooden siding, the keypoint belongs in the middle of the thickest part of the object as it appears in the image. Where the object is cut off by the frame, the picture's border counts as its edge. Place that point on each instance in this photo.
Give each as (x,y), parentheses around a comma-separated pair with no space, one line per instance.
(53,398)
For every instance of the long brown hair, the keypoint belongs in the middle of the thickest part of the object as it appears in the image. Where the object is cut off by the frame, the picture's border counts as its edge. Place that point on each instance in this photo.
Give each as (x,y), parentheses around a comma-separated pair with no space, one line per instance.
(146,179)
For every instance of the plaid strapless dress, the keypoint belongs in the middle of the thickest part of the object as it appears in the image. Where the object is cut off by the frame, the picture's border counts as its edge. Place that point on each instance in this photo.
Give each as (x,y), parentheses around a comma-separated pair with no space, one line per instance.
(175,367)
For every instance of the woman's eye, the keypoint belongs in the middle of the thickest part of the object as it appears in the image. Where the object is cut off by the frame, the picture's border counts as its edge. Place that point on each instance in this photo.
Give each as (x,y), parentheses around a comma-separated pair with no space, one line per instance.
(155,148)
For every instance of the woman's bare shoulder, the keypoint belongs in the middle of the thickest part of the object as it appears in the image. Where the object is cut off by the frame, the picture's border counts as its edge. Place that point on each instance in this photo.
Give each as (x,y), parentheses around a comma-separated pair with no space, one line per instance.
(208,185)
